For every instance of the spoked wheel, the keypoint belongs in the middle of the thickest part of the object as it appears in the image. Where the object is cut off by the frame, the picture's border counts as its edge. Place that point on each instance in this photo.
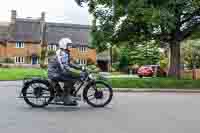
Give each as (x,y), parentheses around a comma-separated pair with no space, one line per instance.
(37,93)
(99,94)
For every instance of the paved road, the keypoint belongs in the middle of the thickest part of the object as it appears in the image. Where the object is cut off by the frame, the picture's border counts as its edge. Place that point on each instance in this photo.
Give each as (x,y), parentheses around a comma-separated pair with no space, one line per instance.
(128,113)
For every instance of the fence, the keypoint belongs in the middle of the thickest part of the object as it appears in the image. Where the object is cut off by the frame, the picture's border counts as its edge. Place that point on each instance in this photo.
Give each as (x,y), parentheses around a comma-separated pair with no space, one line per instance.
(187,74)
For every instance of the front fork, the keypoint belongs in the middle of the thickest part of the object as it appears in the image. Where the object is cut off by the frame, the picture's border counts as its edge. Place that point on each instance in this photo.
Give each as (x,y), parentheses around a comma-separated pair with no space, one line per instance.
(79,90)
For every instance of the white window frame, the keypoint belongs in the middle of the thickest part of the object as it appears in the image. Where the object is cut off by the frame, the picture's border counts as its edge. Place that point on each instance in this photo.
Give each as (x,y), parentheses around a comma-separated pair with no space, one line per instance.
(82,61)
(19,60)
(19,44)
(49,47)
(83,49)
(52,47)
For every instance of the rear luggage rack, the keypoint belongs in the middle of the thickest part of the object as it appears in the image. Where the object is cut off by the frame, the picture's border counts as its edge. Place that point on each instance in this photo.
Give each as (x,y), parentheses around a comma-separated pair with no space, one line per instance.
(29,78)
(32,77)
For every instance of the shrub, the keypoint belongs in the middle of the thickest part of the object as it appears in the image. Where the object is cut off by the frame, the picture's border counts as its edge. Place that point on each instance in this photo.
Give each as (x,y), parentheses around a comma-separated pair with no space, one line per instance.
(113,69)
(8,60)
(43,66)
(124,60)
(154,83)
(163,61)
(115,66)
(93,68)
(90,61)
(51,53)
(5,66)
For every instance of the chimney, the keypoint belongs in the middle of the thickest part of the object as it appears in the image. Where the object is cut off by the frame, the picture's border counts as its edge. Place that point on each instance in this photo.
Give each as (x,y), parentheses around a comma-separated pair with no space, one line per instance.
(43,16)
(43,29)
(13,16)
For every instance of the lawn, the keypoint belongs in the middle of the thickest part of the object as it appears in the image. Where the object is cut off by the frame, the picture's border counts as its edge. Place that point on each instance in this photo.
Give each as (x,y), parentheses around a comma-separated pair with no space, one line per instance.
(19,73)
(154,83)
(128,82)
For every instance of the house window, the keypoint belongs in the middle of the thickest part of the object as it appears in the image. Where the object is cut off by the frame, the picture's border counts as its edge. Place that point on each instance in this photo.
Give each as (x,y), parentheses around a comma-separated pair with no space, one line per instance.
(52,47)
(83,49)
(82,61)
(49,47)
(19,44)
(19,60)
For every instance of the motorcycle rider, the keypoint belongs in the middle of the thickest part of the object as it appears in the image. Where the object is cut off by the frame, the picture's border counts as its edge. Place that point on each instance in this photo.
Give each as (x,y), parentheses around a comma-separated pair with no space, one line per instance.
(60,69)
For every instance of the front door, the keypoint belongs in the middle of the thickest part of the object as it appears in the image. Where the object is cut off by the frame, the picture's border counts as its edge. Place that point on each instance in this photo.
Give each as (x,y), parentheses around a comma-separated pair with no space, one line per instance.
(34,60)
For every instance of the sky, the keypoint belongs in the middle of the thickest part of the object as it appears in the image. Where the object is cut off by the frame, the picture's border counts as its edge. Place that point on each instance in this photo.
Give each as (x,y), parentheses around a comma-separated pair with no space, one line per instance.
(63,11)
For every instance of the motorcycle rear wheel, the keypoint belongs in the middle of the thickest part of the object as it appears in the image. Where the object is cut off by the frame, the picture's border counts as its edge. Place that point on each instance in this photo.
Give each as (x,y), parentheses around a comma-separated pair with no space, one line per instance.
(40,88)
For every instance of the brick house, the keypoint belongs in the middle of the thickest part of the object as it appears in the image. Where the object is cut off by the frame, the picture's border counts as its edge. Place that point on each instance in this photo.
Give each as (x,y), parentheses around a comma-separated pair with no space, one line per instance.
(4,27)
(79,34)
(21,39)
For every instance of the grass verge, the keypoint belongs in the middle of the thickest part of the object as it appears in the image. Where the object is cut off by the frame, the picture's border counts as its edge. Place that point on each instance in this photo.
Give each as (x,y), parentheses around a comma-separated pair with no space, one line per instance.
(136,83)
(165,83)
(20,73)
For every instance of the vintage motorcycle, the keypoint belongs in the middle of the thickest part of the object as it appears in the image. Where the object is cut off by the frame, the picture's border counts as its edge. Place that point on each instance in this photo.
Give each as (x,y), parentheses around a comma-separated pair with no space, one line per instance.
(39,92)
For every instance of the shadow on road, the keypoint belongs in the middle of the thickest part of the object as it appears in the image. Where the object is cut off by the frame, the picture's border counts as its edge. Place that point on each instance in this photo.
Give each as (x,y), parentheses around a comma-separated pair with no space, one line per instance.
(64,109)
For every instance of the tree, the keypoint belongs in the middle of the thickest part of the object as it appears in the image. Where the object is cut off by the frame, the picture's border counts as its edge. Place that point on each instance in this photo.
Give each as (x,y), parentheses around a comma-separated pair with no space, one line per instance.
(144,54)
(51,53)
(44,45)
(102,24)
(163,60)
(124,60)
(115,54)
(191,53)
(168,22)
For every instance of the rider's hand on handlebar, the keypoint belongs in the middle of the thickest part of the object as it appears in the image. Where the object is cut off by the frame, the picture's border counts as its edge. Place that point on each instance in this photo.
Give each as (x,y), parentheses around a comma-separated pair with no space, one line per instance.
(83,75)
(83,68)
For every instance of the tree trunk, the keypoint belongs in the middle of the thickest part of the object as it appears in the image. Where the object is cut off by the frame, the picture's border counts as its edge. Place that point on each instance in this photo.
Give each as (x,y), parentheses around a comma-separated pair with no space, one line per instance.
(44,45)
(111,60)
(194,72)
(175,60)
(43,56)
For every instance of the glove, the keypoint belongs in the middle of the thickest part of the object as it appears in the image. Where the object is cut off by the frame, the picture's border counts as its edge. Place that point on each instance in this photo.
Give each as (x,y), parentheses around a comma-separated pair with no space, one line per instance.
(83,75)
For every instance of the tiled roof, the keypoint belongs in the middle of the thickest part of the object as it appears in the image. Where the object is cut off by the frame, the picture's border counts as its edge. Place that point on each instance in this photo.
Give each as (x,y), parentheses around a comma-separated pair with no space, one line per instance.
(3,32)
(79,34)
(27,30)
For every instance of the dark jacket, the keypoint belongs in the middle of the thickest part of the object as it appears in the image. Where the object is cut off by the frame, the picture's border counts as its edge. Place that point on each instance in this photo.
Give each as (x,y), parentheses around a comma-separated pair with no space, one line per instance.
(59,66)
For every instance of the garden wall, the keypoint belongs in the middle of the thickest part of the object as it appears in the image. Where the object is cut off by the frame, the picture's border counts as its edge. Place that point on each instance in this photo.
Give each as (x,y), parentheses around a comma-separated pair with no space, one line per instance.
(187,74)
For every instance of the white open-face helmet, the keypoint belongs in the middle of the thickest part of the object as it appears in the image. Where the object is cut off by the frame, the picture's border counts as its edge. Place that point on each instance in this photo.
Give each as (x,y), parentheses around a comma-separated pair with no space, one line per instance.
(64,43)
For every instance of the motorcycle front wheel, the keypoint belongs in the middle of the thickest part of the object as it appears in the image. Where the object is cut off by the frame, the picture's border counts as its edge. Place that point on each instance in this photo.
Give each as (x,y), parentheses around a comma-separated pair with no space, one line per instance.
(98,94)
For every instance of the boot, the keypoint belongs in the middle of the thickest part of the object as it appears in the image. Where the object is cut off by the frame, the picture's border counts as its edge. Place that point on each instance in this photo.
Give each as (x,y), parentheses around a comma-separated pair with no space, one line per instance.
(69,101)
(58,99)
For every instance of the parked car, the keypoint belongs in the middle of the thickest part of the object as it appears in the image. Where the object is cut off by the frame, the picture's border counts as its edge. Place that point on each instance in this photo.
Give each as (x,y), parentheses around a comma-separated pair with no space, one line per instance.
(150,71)
(145,71)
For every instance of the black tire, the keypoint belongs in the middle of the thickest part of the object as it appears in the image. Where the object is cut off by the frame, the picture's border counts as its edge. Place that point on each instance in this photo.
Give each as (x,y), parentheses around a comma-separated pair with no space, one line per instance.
(85,92)
(140,76)
(26,87)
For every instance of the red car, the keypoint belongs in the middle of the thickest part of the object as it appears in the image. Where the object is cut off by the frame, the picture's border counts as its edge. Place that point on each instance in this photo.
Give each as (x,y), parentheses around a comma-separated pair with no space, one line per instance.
(150,70)
(145,71)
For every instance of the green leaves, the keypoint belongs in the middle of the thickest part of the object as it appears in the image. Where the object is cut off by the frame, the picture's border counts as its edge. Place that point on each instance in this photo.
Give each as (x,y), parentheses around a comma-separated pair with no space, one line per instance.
(124,59)
(144,54)
(191,53)
(140,54)
(165,21)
